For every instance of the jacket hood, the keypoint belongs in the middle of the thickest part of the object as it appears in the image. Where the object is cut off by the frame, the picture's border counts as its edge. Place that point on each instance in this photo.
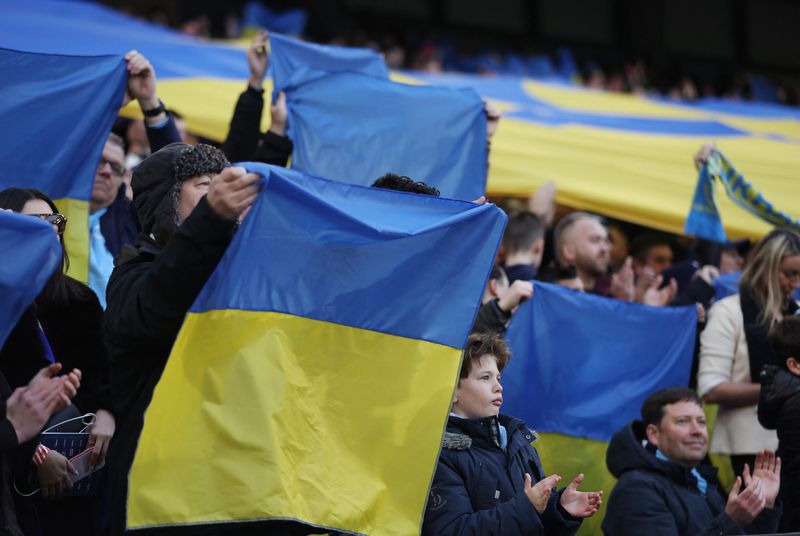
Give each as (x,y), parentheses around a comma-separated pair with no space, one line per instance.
(153,183)
(627,452)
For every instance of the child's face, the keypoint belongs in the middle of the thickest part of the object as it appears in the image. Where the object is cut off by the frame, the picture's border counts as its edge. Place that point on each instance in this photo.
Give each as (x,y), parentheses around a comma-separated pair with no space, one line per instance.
(479,394)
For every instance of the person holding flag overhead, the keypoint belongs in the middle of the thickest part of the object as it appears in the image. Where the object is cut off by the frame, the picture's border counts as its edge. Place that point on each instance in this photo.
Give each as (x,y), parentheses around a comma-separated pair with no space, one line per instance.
(188,203)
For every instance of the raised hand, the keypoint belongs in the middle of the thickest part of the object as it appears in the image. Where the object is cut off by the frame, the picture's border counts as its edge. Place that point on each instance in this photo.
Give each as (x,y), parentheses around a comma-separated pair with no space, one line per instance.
(518,292)
(280,114)
(767,467)
(258,59)
(660,297)
(622,286)
(745,506)
(232,191)
(539,494)
(141,80)
(580,503)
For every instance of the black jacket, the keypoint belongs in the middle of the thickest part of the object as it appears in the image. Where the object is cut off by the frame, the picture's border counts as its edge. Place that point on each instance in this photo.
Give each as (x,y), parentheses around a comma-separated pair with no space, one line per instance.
(149,293)
(245,142)
(491,319)
(657,497)
(779,408)
(478,486)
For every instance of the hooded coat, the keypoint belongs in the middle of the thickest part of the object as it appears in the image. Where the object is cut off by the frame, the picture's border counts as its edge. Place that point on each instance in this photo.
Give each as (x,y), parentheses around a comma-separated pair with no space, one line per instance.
(660,498)
(478,486)
(779,408)
(149,294)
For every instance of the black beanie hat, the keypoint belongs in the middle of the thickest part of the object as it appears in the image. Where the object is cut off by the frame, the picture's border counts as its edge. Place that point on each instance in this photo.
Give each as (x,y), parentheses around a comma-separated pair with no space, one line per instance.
(155,179)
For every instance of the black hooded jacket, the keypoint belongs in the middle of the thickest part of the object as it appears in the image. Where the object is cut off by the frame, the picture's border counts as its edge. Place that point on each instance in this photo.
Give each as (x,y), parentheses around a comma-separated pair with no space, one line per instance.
(660,498)
(779,408)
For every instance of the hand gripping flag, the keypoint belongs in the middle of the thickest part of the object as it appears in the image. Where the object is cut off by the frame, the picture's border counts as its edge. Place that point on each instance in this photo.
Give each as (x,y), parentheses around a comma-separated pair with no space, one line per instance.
(580,369)
(704,220)
(31,254)
(55,115)
(313,375)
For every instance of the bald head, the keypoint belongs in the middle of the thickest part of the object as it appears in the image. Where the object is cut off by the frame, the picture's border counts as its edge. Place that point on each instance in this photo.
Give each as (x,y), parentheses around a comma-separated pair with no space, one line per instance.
(582,242)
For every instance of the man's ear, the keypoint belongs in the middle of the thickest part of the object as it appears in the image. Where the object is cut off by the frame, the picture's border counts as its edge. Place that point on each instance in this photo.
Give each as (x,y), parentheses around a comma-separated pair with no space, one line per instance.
(652,434)
(568,254)
(538,247)
(793,365)
(493,288)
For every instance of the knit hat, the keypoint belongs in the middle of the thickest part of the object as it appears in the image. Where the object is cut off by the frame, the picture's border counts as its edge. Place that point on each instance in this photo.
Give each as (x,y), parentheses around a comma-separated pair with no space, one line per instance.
(156,184)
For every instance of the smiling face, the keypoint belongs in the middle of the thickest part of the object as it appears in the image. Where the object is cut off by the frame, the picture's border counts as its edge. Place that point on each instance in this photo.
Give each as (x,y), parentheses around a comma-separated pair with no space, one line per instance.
(681,435)
(480,393)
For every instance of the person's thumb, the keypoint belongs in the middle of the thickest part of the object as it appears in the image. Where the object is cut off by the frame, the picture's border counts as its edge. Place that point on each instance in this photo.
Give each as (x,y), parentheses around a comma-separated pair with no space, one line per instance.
(527,484)
(576,481)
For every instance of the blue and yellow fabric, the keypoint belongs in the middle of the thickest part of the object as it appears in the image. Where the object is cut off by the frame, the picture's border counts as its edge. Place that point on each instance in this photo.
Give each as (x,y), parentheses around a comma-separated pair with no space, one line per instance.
(313,376)
(256,16)
(55,115)
(704,220)
(349,122)
(581,367)
(31,253)
(625,156)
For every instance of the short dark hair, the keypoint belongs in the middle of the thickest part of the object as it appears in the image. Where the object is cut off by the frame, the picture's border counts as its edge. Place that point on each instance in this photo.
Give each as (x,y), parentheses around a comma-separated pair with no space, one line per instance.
(523,230)
(401,183)
(653,406)
(785,338)
(498,272)
(481,344)
(642,243)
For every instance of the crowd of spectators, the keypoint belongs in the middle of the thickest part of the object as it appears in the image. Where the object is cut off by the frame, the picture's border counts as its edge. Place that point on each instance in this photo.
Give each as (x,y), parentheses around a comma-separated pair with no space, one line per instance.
(162,214)
(439,50)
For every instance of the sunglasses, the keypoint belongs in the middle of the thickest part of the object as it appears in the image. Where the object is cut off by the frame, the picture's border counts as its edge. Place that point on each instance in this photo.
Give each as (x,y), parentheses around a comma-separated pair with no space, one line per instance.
(59,220)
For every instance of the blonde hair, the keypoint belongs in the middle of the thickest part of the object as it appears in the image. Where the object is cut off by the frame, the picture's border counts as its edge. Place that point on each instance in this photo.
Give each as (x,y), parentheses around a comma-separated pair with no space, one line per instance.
(760,274)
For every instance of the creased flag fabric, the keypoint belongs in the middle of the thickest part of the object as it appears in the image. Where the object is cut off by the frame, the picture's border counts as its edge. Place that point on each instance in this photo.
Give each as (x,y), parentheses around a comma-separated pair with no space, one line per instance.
(55,115)
(293,61)
(581,367)
(314,372)
(356,128)
(31,253)
(583,364)
(704,220)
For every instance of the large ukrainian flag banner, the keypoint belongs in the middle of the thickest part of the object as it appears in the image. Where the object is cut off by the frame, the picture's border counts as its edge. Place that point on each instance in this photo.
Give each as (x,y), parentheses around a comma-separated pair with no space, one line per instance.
(625,156)
(581,367)
(313,376)
(55,115)
(31,254)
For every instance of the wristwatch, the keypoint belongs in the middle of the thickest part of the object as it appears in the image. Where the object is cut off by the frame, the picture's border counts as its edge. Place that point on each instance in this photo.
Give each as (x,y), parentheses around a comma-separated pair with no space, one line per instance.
(155,111)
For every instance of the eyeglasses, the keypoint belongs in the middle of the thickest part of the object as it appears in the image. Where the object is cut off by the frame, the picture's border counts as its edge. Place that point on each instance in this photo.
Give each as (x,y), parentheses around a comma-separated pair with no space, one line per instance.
(59,220)
(117,169)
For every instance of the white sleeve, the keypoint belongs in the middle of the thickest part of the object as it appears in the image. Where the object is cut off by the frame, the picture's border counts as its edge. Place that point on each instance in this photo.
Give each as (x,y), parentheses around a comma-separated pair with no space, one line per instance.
(718,345)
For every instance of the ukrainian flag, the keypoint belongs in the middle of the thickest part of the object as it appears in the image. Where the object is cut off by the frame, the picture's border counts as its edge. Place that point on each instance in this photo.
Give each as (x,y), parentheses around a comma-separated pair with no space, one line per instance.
(55,115)
(31,254)
(625,156)
(313,376)
(581,367)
